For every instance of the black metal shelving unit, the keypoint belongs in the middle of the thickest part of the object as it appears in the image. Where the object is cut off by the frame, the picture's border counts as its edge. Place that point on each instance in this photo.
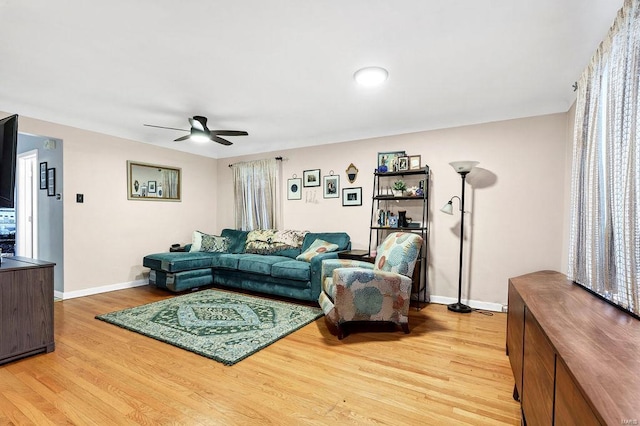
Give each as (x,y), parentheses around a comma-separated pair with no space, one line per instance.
(381,201)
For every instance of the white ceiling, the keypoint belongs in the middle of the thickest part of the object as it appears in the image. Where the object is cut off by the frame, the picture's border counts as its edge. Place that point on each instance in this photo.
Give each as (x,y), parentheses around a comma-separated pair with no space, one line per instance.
(282,69)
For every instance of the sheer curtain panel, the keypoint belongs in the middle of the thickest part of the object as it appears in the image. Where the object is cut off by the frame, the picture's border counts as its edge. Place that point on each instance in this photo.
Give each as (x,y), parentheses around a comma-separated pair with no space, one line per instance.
(255,184)
(605,229)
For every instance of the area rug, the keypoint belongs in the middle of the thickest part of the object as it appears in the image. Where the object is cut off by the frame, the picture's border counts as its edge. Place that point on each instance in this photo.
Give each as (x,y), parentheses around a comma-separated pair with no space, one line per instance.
(223,326)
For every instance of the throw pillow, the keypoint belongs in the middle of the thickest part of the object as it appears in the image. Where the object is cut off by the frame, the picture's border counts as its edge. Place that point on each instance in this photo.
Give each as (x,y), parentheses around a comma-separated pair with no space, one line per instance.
(208,243)
(271,241)
(214,244)
(317,247)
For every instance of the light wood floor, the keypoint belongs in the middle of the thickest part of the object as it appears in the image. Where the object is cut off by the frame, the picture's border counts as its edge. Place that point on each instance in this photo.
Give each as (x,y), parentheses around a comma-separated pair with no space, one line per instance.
(451,369)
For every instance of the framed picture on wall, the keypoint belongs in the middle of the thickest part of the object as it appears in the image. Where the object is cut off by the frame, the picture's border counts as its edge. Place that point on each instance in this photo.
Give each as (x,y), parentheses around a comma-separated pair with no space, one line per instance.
(51,182)
(331,186)
(352,196)
(294,189)
(43,175)
(152,182)
(311,177)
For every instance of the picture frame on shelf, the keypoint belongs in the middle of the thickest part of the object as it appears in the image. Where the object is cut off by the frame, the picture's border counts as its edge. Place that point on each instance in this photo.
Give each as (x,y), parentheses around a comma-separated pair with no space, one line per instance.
(403,164)
(294,189)
(152,186)
(43,175)
(388,161)
(352,196)
(331,186)
(51,182)
(311,178)
(415,162)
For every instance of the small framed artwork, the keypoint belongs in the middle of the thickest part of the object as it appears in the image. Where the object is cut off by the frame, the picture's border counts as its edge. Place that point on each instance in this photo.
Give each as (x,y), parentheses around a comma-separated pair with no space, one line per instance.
(43,175)
(414,162)
(51,182)
(403,164)
(352,196)
(152,187)
(388,161)
(294,189)
(311,177)
(331,186)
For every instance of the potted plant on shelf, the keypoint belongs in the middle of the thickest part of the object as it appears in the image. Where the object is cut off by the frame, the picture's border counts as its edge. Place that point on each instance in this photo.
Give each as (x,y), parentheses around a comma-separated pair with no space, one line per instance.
(398,188)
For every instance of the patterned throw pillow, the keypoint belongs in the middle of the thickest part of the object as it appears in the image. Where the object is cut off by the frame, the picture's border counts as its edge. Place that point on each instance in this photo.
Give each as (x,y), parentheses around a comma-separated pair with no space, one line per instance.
(208,243)
(214,244)
(269,241)
(317,247)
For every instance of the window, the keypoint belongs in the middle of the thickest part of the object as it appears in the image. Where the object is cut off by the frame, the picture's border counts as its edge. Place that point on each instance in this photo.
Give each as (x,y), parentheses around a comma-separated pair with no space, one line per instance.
(605,228)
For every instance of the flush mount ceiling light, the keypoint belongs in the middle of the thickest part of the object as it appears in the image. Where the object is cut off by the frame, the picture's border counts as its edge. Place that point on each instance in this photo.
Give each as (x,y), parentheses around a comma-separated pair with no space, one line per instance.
(371,76)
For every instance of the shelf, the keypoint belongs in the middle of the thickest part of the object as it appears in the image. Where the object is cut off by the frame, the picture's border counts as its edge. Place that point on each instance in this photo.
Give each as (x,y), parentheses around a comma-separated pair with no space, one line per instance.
(421,171)
(391,197)
(377,233)
(399,228)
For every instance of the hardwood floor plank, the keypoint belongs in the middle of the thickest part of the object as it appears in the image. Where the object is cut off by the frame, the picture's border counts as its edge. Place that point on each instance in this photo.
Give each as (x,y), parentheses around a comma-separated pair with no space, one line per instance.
(450,368)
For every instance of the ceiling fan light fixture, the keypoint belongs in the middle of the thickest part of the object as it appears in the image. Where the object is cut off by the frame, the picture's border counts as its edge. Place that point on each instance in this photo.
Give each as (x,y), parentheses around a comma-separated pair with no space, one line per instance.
(199,136)
(371,76)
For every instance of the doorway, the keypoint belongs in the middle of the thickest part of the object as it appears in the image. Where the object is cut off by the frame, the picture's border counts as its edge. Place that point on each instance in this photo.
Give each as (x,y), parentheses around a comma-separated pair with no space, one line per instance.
(27,184)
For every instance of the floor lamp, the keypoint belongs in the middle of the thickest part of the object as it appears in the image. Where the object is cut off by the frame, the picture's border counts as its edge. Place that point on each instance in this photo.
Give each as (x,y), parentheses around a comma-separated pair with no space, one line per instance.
(462,167)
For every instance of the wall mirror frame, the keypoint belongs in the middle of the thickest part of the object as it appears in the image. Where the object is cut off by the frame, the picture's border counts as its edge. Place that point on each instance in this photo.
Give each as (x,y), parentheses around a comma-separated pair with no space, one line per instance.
(151,182)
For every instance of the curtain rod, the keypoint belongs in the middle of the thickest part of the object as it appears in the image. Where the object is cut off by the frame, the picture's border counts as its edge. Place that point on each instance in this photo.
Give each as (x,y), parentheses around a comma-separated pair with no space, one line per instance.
(277,158)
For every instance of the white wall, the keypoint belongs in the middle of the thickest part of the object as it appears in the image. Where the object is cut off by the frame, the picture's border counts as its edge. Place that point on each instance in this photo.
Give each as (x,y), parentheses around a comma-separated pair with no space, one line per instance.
(516,198)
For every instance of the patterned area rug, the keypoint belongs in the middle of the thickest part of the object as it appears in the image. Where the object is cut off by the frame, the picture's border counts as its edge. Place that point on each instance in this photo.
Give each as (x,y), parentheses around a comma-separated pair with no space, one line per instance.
(226,327)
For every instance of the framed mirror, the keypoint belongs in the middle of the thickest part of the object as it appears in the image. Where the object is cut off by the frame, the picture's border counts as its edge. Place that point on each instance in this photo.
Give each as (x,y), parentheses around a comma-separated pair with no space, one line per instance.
(152,182)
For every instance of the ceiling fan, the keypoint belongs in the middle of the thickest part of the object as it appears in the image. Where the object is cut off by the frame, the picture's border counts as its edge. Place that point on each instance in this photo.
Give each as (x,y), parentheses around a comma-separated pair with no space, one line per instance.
(200,132)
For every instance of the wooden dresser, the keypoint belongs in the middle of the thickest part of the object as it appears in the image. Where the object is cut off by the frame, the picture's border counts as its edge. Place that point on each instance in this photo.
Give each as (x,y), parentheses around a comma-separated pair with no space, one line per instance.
(575,358)
(26,308)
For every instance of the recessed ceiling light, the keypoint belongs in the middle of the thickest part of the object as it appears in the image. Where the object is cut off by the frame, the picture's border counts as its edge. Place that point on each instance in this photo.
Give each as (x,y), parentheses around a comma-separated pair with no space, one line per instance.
(371,76)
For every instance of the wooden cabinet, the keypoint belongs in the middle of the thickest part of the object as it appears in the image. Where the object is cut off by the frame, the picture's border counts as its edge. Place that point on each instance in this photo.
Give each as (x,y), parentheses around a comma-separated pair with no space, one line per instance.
(575,358)
(572,408)
(515,337)
(26,308)
(538,364)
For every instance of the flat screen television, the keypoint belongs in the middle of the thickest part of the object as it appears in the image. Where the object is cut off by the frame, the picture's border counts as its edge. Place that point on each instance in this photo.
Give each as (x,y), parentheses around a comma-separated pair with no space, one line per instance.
(8,149)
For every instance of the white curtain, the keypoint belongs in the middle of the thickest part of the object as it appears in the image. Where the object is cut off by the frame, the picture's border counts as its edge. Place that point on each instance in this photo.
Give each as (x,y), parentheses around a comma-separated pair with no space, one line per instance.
(255,189)
(170,183)
(605,228)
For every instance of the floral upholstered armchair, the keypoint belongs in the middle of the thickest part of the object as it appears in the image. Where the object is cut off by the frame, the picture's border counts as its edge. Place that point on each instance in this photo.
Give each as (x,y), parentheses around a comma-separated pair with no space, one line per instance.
(354,290)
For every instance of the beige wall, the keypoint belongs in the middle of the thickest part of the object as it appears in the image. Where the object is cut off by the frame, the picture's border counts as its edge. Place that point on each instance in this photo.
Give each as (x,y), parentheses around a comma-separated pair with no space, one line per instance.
(106,237)
(516,199)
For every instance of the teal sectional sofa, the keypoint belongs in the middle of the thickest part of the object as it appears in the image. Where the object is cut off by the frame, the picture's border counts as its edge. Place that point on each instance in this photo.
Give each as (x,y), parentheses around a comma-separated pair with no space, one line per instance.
(277,273)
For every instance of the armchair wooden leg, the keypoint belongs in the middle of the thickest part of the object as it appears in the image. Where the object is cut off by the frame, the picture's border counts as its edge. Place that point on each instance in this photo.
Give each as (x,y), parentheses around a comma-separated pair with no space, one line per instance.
(341,333)
(405,327)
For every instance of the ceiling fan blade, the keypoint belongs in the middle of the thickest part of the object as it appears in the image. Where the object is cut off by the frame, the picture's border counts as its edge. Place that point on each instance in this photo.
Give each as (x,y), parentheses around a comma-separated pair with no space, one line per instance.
(229,132)
(220,140)
(163,127)
(184,138)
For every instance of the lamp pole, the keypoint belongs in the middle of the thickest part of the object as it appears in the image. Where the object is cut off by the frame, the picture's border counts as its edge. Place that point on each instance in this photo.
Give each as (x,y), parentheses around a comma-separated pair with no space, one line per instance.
(460,307)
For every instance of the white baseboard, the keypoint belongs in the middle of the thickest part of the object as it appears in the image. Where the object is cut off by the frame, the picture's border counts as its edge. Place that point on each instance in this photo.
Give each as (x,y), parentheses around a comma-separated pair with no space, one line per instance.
(96,290)
(476,304)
